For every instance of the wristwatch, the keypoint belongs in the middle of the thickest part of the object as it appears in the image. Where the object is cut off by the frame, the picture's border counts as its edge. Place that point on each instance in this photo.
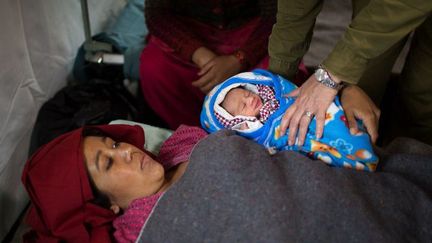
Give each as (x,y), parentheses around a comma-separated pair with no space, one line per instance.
(324,78)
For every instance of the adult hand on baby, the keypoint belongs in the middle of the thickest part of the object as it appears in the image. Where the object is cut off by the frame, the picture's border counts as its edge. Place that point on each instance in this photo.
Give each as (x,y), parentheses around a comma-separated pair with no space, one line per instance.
(357,104)
(216,71)
(313,99)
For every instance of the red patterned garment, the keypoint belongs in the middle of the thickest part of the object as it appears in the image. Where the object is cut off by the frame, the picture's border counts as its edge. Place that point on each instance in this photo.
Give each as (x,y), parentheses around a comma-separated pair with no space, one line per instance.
(270,102)
(175,150)
(170,21)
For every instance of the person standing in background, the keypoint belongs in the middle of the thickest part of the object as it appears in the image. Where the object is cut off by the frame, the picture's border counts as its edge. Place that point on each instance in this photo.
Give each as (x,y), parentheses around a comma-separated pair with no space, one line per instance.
(194,45)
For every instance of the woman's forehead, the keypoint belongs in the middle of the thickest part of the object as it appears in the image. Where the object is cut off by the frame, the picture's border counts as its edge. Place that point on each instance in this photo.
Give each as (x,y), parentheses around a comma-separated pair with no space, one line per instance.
(91,141)
(93,146)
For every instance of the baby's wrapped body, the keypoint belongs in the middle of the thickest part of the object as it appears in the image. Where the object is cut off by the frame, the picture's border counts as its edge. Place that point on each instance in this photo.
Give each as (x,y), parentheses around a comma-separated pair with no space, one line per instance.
(337,147)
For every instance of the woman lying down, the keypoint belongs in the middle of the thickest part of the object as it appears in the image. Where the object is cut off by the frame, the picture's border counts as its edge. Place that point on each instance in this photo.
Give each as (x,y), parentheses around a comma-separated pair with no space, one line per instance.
(101,166)
(97,183)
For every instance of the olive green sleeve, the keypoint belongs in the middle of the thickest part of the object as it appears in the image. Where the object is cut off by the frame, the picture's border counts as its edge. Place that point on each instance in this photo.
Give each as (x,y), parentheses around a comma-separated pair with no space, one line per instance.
(291,35)
(379,25)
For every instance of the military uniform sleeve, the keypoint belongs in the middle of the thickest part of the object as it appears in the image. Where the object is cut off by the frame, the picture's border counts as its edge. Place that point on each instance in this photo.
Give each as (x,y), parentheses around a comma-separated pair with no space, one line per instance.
(375,29)
(292,34)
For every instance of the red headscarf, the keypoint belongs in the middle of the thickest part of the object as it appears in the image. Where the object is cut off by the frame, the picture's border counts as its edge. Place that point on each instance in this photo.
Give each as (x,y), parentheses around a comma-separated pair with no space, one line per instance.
(56,180)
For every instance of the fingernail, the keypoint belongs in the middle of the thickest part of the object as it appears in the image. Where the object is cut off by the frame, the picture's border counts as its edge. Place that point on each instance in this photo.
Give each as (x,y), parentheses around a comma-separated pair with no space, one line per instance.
(352,131)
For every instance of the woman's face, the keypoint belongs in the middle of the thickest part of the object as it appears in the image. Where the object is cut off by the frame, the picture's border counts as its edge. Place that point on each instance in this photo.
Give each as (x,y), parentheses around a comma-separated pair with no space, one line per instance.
(121,171)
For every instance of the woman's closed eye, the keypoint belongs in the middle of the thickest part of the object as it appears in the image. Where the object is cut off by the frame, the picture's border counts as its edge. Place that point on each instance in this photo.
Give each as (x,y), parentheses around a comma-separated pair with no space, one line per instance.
(109,163)
(110,160)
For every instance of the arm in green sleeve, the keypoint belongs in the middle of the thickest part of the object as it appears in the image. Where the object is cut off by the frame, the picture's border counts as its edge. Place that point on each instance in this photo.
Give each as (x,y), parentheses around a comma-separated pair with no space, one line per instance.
(291,35)
(377,27)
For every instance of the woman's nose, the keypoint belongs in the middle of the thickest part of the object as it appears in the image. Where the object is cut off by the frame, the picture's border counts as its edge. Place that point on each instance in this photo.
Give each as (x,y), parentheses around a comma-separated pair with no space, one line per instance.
(125,153)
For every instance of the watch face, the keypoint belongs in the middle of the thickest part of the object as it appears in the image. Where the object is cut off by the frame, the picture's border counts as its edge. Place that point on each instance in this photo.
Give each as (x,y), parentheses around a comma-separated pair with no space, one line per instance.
(320,74)
(322,77)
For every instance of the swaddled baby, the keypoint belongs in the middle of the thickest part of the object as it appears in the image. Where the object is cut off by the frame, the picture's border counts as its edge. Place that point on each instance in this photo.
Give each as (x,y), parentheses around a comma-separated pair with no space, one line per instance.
(253,103)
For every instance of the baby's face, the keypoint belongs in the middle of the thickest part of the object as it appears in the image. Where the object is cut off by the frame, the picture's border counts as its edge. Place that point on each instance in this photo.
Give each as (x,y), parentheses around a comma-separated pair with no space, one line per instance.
(243,102)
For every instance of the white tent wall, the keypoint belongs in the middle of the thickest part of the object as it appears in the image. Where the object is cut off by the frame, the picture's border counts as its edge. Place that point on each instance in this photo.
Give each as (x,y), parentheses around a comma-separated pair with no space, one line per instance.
(39,40)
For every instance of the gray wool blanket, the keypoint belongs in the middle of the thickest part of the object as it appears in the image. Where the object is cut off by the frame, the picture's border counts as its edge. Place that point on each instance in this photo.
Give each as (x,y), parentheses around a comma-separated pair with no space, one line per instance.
(234,191)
